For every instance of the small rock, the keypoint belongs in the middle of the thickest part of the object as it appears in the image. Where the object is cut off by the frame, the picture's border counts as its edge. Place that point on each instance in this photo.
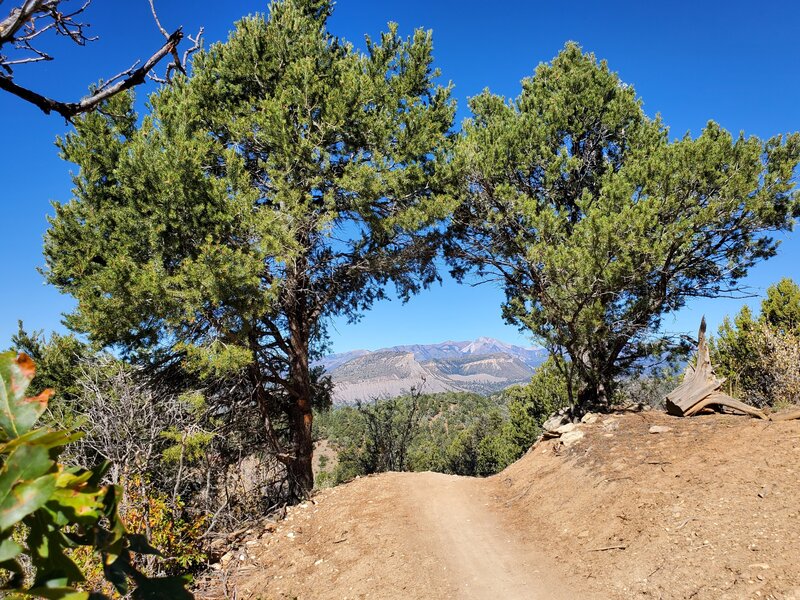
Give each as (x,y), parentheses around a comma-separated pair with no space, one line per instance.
(764,566)
(566,428)
(569,438)
(554,422)
(242,557)
(660,429)
(765,490)
(318,562)
(589,418)
(611,424)
(226,558)
(290,535)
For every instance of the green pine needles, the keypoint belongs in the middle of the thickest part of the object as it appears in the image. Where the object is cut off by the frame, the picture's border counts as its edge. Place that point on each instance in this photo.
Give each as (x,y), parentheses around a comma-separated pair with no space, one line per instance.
(289,179)
(597,224)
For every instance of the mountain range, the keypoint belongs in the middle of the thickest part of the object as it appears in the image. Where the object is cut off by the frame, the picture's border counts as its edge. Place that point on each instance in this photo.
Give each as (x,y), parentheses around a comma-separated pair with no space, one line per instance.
(483,366)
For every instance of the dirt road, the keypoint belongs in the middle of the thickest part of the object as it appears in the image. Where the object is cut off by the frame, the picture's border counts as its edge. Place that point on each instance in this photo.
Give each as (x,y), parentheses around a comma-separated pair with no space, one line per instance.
(706,508)
(399,536)
(482,559)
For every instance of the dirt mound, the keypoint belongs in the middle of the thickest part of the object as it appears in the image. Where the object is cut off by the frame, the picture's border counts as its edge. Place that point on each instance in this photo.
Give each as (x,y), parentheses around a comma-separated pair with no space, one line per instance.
(709,508)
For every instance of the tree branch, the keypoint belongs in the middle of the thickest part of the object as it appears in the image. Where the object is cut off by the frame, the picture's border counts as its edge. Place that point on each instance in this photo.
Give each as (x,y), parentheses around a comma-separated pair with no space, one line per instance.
(68,110)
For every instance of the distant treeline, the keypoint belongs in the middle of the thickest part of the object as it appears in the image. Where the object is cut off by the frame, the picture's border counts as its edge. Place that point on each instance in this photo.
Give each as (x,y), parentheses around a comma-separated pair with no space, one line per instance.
(453,432)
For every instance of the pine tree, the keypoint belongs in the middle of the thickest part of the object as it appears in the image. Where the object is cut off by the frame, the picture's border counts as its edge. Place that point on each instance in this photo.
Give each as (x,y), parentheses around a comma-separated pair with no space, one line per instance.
(597,224)
(781,308)
(757,356)
(285,182)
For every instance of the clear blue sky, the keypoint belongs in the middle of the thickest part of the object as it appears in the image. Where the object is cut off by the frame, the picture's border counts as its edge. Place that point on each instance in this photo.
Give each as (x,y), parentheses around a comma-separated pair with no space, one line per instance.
(735,62)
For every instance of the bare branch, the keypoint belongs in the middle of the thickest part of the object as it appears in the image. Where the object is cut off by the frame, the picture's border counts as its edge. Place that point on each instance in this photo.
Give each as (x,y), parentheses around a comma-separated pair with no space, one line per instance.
(22,26)
(22,61)
(68,110)
(155,17)
(111,80)
(18,17)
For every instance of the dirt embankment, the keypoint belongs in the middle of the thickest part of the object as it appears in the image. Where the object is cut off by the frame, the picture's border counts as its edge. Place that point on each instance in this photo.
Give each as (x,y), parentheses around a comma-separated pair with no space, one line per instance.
(708,509)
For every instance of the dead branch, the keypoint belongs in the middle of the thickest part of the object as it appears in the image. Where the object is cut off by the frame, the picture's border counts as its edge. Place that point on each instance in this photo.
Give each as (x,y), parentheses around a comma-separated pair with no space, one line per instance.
(617,547)
(789,416)
(25,23)
(701,387)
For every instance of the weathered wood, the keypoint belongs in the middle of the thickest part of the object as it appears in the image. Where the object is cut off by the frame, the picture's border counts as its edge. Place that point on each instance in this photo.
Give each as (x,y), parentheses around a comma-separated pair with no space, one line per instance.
(701,387)
(717,399)
(787,416)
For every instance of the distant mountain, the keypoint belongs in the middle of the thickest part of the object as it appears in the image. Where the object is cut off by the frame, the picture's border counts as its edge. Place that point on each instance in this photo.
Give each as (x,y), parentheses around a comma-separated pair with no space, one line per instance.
(333,361)
(483,366)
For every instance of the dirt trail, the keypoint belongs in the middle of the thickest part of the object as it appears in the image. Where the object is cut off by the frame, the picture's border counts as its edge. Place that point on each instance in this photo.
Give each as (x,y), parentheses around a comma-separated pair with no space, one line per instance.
(706,509)
(483,558)
(397,536)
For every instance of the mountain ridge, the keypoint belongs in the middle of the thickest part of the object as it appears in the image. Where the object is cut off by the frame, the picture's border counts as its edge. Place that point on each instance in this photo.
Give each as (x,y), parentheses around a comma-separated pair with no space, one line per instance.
(483,366)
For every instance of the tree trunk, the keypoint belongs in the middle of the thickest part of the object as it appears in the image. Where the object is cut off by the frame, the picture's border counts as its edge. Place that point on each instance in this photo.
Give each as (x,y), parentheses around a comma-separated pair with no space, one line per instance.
(593,395)
(301,476)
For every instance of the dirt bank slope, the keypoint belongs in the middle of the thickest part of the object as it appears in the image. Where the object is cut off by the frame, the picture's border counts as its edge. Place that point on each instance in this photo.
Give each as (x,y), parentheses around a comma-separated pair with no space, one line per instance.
(708,509)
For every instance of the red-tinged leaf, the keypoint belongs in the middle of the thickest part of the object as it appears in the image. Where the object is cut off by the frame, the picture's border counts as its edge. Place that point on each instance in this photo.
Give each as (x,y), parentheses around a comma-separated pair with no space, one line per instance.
(18,414)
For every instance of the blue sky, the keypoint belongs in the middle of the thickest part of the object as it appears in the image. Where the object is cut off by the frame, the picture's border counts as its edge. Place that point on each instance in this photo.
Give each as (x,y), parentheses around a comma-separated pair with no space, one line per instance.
(734,62)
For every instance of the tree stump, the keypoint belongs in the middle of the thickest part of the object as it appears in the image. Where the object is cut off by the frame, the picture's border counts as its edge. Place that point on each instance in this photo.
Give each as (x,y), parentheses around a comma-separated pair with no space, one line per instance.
(701,387)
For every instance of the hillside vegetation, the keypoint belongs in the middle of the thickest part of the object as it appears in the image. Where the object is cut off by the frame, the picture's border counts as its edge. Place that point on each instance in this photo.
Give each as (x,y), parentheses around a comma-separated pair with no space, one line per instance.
(457,433)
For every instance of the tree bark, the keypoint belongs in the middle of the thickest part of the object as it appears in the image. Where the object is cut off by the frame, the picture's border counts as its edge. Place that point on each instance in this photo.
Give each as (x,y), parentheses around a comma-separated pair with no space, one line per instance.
(593,395)
(301,476)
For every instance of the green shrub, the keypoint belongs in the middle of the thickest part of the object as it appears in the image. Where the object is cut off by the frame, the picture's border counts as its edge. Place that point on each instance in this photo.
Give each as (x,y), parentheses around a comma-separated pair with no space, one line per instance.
(760,357)
(47,510)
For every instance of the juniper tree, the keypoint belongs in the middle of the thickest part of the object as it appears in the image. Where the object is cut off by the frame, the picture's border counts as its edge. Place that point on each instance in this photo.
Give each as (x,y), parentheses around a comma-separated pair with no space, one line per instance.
(286,181)
(757,355)
(597,224)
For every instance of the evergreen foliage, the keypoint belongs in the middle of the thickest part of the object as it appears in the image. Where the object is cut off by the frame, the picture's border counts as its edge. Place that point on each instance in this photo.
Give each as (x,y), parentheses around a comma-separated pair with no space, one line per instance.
(597,224)
(781,308)
(452,432)
(760,356)
(530,405)
(283,183)
(57,362)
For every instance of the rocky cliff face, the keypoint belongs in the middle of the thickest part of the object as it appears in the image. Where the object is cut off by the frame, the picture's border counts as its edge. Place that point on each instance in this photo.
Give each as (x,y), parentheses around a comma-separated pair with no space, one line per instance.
(483,366)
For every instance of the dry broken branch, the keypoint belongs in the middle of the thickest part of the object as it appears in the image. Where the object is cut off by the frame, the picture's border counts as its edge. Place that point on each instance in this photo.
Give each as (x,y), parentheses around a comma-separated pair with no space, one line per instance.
(27,22)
